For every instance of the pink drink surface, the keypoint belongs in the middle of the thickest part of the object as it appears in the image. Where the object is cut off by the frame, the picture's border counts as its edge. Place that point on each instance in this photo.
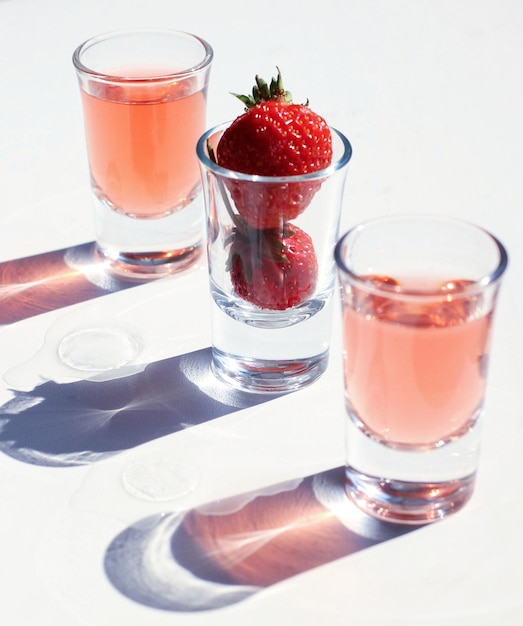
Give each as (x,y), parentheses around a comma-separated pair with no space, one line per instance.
(415,371)
(141,141)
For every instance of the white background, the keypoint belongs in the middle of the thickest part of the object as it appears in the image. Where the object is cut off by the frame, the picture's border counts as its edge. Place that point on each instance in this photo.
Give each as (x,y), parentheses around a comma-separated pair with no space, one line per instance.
(430,93)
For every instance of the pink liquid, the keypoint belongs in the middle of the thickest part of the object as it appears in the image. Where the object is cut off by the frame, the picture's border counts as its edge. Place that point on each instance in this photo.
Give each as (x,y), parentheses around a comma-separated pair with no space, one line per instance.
(415,372)
(141,142)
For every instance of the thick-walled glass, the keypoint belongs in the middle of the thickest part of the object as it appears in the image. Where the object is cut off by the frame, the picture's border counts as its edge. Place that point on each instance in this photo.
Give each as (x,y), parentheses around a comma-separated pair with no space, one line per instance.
(418,298)
(144,101)
(271,287)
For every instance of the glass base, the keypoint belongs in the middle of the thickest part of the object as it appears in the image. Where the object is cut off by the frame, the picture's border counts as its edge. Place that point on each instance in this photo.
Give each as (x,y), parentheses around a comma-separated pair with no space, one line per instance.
(149,248)
(407,502)
(410,484)
(272,351)
(149,265)
(267,376)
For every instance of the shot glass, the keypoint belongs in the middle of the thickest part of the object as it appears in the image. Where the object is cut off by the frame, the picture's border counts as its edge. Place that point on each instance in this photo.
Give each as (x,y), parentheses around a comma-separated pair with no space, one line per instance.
(144,102)
(271,286)
(418,298)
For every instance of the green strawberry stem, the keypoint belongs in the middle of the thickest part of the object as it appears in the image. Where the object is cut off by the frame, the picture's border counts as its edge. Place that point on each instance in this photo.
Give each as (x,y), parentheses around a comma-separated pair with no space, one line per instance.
(262,92)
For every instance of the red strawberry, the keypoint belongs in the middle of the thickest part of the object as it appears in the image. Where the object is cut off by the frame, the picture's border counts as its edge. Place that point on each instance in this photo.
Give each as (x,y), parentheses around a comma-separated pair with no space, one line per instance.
(273,269)
(274,137)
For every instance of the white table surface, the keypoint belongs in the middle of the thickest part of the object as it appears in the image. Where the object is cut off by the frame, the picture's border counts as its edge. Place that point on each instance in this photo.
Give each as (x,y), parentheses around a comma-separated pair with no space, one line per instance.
(430,93)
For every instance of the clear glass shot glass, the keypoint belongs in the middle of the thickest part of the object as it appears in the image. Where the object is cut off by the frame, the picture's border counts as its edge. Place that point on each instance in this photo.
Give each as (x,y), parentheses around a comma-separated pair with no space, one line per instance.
(272,286)
(144,102)
(418,298)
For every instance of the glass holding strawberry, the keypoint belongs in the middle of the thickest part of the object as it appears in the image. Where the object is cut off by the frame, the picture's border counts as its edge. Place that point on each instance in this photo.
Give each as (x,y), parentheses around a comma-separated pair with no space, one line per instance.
(273,183)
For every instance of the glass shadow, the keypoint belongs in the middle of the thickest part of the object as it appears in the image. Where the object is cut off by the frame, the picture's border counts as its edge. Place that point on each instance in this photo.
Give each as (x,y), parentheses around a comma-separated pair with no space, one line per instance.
(224,552)
(46,282)
(82,422)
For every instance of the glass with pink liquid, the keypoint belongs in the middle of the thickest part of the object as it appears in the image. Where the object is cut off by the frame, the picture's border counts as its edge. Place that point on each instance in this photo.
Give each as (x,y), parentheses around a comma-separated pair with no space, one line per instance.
(418,297)
(144,101)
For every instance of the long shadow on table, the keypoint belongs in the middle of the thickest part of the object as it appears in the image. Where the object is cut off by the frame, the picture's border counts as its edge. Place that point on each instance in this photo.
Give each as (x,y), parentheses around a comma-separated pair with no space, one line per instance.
(45,282)
(82,422)
(220,554)
(202,559)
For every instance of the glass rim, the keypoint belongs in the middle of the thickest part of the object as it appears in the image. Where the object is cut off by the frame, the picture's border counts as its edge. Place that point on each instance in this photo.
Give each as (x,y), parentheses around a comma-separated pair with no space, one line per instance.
(475,286)
(201,150)
(92,41)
